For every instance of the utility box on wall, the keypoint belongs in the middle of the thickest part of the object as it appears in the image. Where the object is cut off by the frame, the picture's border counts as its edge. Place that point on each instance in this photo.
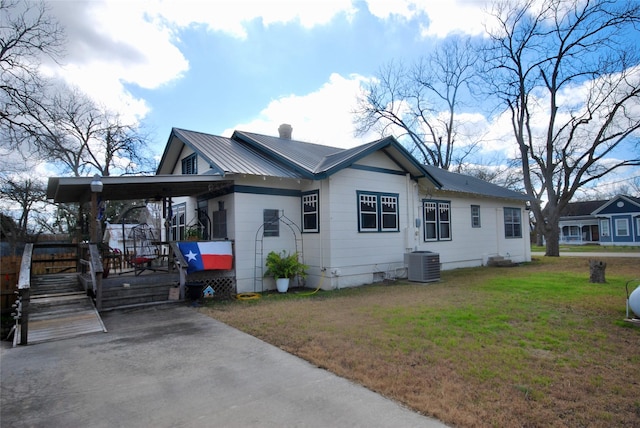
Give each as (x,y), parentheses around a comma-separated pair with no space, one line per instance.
(423,266)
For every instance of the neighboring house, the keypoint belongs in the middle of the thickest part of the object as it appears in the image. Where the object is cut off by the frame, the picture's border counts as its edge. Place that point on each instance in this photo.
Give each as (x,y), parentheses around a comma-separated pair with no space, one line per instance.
(619,221)
(615,221)
(578,226)
(353,214)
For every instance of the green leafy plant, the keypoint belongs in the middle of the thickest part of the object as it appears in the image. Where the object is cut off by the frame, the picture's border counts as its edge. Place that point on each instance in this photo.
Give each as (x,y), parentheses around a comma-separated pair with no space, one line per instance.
(193,233)
(283,265)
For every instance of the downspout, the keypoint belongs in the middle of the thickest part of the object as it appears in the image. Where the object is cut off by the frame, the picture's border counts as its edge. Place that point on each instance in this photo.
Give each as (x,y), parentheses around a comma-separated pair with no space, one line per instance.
(409,235)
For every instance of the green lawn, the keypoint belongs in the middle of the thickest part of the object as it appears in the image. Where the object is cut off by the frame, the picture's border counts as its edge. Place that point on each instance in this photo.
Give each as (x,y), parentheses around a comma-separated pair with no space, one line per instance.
(535,345)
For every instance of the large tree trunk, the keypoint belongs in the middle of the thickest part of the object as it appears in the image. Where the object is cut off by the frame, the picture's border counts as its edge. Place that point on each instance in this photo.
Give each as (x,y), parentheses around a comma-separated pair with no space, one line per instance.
(552,236)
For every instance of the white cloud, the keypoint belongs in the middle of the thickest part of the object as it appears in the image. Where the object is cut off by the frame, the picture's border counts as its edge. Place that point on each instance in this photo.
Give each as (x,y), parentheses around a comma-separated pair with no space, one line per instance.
(453,16)
(322,117)
(445,16)
(230,16)
(113,43)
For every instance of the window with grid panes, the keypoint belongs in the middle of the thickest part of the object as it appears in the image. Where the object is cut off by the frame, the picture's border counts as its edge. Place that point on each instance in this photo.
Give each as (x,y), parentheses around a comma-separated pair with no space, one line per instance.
(437,220)
(311,211)
(377,212)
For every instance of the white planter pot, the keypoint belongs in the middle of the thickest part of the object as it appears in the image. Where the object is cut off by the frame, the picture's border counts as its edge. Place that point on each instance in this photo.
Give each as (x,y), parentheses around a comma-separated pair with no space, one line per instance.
(282,284)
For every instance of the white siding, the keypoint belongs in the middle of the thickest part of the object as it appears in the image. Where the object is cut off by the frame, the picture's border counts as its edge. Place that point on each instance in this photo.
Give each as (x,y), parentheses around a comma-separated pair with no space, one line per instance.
(353,257)
(247,218)
(341,256)
(471,246)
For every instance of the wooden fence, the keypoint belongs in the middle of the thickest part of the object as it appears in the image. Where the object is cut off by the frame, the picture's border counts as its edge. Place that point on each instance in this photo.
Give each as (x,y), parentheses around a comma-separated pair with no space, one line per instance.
(41,264)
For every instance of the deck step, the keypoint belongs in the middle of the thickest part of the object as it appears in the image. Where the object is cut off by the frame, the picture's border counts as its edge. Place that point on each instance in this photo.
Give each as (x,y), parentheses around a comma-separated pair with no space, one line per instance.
(500,261)
(55,284)
(136,294)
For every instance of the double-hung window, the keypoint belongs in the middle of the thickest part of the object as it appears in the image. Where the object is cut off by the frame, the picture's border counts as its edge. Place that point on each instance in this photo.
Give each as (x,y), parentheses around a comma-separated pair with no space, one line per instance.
(622,227)
(512,223)
(378,212)
(475,215)
(178,222)
(311,211)
(604,227)
(437,220)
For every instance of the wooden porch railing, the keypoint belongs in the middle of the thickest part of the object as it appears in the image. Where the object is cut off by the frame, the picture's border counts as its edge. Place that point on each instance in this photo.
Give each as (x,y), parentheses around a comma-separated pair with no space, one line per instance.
(181,264)
(87,257)
(24,295)
(91,260)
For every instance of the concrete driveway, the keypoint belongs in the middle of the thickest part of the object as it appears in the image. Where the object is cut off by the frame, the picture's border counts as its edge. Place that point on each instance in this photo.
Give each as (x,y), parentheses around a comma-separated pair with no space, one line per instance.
(173,367)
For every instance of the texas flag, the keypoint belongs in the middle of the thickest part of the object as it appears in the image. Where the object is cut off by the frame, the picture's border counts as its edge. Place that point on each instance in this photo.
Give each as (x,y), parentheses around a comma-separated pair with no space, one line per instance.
(207,255)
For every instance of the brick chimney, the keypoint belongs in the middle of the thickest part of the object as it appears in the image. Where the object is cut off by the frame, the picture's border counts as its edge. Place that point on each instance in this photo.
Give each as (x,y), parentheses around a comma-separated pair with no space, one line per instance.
(285,131)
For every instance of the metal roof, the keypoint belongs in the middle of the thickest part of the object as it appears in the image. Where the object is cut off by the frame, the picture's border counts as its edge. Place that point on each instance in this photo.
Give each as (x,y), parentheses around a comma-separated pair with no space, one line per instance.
(454,182)
(225,156)
(259,155)
(318,161)
(299,155)
(77,189)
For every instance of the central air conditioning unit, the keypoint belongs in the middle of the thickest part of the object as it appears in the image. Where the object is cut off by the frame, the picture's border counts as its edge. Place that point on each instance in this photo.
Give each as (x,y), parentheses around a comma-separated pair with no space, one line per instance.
(423,266)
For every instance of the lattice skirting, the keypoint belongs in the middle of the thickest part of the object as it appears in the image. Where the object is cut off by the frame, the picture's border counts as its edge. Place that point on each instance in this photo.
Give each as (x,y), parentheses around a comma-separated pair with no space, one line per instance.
(222,282)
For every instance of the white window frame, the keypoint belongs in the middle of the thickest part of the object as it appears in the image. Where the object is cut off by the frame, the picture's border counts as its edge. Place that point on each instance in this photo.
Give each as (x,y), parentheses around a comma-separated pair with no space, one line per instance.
(510,223)
(622,227)
(178,221)
(475,216)
(437,227)
(573,231)
(604,228)
(638,226)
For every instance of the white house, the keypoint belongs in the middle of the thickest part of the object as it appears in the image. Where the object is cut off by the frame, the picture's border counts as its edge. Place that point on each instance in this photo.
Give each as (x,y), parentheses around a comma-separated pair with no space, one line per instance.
(352,214)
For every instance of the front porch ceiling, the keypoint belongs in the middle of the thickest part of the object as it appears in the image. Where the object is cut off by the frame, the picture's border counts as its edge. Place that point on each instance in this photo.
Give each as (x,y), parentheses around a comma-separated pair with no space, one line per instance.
(155,187)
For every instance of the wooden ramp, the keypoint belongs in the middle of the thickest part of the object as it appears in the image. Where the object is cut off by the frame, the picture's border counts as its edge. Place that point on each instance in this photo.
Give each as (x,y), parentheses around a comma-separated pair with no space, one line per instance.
(60,309)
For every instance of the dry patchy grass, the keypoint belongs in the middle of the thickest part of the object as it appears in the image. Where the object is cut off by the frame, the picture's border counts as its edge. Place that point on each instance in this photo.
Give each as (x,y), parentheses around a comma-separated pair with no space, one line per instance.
(536,345)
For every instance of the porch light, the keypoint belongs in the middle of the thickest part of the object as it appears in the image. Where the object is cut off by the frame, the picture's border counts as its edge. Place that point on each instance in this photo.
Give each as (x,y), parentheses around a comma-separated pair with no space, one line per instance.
(96,184)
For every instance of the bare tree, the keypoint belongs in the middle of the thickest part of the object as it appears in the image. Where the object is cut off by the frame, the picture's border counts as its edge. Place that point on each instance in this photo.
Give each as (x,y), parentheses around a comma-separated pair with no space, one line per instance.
(569,75)
(27,34)
(24,194)
(420,103)
(71,130)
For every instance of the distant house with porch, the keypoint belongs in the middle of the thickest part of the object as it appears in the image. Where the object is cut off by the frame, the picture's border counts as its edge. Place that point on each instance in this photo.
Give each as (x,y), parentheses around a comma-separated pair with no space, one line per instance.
(352,214)
(614,221)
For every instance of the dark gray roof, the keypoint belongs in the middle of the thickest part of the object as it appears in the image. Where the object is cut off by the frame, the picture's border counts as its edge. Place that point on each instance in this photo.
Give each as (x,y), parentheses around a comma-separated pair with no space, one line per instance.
(299,155)
(318,161)
(257,154)
(581,209)
(461,183)
(227,156)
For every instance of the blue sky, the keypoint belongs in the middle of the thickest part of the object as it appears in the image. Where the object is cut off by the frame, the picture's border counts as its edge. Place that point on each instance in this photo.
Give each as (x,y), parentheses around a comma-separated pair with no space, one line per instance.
(216,66)
(219,65)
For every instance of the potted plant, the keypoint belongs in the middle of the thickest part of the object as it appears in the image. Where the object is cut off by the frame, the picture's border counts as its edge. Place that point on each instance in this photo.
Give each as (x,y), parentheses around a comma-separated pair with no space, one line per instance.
(193,233)
(283,267)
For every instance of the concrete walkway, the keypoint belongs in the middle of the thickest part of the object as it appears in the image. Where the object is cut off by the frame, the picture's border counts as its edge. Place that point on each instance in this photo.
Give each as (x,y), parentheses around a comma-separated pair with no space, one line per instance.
(173,367)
